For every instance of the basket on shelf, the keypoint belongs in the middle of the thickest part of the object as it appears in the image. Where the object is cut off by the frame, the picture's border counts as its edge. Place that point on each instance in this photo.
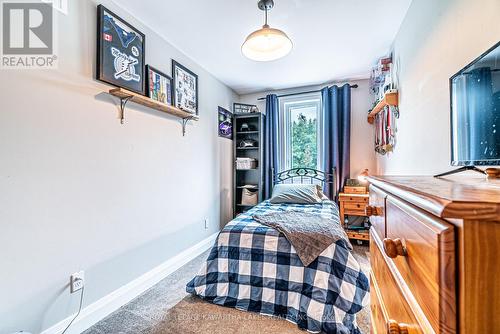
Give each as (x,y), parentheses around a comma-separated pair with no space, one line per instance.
(249,197)
(246,163)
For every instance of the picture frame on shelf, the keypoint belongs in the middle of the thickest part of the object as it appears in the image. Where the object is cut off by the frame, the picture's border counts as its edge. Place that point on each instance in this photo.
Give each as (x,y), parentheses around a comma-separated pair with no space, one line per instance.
(158,85)
(120,59)
(185,85)
(225,123)
(242,108)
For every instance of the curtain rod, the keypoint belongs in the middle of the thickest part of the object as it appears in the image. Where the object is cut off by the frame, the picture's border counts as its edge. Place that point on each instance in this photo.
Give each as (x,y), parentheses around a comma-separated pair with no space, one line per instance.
(300,93)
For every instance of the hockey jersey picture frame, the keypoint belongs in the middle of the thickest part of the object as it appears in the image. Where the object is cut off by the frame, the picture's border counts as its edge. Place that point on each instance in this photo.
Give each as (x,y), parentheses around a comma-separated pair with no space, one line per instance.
(120,52)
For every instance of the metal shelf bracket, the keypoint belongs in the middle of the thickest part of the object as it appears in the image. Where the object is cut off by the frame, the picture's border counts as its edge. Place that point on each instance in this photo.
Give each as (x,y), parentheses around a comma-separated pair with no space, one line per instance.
(123,103)
(184,123)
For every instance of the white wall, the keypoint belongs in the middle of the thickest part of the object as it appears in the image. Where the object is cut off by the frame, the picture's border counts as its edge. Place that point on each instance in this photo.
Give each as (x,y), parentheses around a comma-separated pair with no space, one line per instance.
(362,147)
(80,191)
(436,40)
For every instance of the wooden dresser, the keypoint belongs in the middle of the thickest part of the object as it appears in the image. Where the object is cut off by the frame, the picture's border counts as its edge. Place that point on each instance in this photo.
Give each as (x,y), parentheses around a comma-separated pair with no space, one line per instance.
(435,255)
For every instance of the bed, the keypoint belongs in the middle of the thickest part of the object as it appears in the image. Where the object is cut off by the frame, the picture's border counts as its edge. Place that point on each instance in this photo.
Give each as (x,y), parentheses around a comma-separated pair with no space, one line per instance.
(254,268)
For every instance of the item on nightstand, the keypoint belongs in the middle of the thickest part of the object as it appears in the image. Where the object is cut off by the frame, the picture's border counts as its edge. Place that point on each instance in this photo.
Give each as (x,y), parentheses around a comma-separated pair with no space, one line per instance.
(354,186)
(249,197)
(363,175)
(246,163)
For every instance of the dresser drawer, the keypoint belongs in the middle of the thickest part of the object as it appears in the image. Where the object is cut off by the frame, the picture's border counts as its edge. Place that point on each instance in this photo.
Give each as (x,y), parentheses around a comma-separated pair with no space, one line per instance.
(377,210)
(388,304)
(359,198)
(355,206)
(378,314)
(422,248)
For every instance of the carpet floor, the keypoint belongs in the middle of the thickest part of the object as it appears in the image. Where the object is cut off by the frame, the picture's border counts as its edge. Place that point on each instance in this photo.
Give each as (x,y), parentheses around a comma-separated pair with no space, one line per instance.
(166,308)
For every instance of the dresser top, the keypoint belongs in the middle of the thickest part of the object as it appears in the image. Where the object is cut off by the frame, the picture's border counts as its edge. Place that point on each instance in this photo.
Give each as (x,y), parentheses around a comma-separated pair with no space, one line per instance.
(459,196)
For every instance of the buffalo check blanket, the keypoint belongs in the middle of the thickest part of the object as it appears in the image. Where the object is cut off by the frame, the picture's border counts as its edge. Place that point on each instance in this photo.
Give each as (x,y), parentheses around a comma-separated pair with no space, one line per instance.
(254,268)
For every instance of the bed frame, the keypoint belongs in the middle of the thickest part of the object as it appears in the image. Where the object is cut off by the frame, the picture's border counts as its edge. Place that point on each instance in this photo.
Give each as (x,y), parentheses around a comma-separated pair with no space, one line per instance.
(305,175)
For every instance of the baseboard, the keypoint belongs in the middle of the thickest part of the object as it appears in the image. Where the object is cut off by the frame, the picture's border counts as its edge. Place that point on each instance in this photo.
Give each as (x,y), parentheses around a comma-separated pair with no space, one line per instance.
(98,310)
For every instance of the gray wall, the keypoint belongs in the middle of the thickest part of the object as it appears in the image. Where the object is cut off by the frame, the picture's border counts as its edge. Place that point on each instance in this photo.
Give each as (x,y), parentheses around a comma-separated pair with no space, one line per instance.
(362,147)
(80,191)
(436,40)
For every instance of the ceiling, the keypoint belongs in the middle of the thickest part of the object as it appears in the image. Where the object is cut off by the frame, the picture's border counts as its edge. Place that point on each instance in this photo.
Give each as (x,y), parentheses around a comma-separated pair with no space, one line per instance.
(334,40)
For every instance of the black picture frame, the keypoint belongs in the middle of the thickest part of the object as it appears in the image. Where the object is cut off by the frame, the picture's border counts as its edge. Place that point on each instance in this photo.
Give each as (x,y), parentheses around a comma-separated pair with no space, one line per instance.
(130,50)
(225,123)
(168,98)
(179,91)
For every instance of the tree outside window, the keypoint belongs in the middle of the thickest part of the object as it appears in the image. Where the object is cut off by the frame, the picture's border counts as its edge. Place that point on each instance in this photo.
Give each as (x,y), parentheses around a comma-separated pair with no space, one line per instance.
(301,131)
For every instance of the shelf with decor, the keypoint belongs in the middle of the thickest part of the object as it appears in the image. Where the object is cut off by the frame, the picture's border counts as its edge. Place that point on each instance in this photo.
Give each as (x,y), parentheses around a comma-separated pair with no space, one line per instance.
(249,155)
(125,96)
(247,132)
(247,148)
(390,99)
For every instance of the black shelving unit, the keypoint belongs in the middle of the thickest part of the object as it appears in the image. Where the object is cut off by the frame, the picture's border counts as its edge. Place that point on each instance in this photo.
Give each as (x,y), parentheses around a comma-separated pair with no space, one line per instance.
(255,122)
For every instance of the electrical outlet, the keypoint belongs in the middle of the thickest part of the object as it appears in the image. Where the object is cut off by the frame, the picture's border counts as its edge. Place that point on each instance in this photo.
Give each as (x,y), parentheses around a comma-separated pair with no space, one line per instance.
(206,223)
(77,280)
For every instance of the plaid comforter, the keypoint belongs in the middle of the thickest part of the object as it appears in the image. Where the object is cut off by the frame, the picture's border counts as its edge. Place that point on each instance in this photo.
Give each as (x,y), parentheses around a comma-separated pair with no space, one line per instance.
(254,268)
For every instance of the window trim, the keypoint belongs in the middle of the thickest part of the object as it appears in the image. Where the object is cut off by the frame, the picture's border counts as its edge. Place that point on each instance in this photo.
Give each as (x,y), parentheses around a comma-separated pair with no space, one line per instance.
(285,106)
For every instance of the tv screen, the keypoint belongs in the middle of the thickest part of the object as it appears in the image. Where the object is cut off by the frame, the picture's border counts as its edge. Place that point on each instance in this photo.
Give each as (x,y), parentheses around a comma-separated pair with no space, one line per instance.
(475,111)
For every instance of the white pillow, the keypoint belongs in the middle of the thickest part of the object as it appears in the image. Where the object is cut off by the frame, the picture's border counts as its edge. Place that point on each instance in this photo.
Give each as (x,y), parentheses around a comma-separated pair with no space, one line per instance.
(296,194)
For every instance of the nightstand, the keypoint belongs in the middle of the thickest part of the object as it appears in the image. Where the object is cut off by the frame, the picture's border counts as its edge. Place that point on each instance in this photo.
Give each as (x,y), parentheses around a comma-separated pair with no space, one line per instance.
(355,205)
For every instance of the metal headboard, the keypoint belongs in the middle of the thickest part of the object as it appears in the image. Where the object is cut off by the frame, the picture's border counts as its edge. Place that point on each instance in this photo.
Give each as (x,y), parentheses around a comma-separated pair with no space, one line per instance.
(306,175)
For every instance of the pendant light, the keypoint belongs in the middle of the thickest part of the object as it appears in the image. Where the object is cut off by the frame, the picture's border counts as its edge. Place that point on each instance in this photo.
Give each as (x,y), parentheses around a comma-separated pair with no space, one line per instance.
(266,44)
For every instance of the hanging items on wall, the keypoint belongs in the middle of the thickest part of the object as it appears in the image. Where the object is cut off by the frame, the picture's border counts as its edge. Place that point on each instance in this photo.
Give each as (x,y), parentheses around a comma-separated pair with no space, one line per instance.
(185,88)
(381,77)
(225,121)
(242,108)
(385,130)
(120,62)
(120,52)
(158,85)
(385,110)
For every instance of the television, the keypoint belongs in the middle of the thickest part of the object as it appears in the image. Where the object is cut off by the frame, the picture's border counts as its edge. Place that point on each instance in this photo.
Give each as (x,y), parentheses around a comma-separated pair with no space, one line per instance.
(475,111)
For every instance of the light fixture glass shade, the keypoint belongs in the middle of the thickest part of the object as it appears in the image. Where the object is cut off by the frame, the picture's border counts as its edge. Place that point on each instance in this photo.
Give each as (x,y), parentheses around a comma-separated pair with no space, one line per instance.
(266,44)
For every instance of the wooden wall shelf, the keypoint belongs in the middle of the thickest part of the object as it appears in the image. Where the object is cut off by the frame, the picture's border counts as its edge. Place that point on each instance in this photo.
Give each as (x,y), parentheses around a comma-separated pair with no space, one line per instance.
(125,96)
(390,99)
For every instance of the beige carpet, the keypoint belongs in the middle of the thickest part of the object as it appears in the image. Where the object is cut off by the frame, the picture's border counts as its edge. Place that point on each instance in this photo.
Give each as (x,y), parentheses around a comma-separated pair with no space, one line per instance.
(193,315)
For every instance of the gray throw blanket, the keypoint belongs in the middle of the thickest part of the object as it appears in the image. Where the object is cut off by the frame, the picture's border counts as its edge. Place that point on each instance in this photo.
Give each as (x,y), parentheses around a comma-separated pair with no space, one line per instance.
(310,234)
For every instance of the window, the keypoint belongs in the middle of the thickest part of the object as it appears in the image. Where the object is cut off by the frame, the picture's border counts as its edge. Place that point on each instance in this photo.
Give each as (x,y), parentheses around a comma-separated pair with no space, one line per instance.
(301,129)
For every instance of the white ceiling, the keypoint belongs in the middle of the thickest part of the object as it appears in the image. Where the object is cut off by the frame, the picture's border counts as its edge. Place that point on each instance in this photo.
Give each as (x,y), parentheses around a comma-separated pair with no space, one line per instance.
(333,40)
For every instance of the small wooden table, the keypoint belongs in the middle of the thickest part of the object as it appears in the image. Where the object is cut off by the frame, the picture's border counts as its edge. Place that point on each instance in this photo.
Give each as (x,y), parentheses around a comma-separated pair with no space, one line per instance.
(353,204)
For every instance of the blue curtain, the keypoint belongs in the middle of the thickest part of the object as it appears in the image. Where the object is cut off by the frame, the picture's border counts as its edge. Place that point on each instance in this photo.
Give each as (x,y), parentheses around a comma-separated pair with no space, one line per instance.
(336,108)
(271,155)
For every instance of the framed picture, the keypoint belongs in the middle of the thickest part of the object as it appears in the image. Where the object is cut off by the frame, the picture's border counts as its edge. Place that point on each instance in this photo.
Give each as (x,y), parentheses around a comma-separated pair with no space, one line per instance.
(225,123)
(120,52)
(158,85)
(185,88)
(242,108)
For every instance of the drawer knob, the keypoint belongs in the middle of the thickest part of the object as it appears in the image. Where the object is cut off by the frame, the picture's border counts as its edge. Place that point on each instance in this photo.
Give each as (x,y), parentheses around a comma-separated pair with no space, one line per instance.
(393,327)
(394,248)
(373,211)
